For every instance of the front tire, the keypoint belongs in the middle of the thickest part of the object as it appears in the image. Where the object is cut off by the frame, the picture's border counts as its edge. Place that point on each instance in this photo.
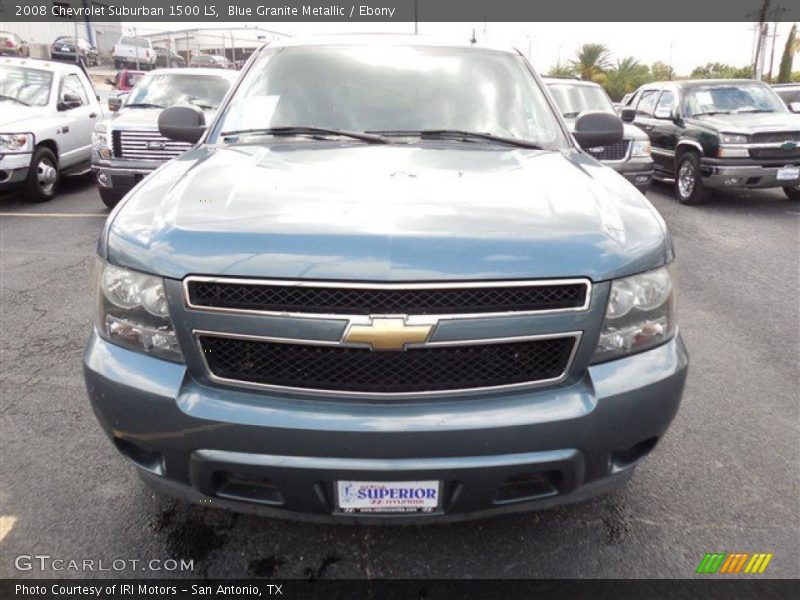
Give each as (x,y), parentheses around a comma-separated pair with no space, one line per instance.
(688,183)
(109,197)
(792,192)
(41,185)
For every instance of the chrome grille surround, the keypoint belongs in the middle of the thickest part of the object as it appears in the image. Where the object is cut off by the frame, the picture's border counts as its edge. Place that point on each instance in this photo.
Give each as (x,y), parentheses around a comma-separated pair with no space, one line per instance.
(140,144)
(347,321)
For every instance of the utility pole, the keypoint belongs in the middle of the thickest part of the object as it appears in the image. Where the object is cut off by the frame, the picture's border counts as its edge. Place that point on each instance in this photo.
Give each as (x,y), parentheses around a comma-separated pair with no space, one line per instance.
(772,52)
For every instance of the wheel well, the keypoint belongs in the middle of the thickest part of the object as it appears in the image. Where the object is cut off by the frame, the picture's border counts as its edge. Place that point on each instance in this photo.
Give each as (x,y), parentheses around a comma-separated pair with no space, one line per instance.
(49,144)
(683,149)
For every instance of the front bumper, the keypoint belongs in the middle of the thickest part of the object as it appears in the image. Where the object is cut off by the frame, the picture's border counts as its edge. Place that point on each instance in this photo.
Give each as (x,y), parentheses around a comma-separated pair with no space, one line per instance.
(744,173)
(121,176)
(13,170)
(189,438)
(639,171)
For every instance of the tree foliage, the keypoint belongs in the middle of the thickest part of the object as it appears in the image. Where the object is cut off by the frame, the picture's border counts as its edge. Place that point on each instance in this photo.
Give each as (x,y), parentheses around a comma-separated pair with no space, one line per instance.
(721,71)
(789,50)
(591,62)
(661,71)
(625,77)
(562,70)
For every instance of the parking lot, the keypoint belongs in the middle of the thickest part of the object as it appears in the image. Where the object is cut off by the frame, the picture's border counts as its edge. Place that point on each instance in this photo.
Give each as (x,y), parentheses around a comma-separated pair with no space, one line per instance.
(725,478)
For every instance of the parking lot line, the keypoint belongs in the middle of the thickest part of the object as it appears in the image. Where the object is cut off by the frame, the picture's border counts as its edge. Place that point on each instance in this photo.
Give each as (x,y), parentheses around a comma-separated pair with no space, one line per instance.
(54,215)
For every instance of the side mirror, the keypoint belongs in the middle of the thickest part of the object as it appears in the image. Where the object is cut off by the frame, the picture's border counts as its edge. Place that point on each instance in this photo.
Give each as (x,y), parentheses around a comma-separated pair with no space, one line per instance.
(627,114)
(115,102)
(794,107)
(597,128)
(182,123)
(69,101)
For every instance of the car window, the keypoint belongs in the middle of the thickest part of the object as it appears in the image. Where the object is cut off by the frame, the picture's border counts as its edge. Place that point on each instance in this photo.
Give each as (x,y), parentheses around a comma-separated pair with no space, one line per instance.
(788,96)
(169,89)
(665,105)
(395,88)
(72,85)
(21,85)
(647,103)
(572,99)
(134,41)
(728,98)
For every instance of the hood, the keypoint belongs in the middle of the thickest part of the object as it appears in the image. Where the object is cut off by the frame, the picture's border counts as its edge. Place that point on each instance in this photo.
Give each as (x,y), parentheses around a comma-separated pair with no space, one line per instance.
(439,211)
(749,123)
(629,130)
(144,117)
(12,113)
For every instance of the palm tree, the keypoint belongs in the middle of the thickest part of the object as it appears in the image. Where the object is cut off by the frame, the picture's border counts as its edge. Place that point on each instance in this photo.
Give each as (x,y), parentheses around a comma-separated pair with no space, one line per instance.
(591,61)
(791,48)
(628,75)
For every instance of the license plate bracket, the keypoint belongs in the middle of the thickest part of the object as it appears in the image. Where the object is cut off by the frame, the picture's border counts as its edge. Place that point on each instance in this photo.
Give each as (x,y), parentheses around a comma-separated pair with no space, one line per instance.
(388,497)
(788,173)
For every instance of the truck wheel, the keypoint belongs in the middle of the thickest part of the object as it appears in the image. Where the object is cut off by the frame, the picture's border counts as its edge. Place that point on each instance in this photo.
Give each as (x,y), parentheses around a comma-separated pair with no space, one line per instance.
(688,183)
(109,198)
(41,185)
(792,192)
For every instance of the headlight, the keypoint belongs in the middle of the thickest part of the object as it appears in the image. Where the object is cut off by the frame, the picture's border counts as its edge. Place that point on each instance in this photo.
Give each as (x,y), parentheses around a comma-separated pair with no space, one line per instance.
(16,142)
(133,312)
(100,141)
(733,138)
(640,149)
(640,315)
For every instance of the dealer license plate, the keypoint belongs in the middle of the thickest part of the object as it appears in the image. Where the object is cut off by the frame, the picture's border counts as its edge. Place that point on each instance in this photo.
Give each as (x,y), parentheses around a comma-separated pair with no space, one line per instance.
(388,496)
(788,173)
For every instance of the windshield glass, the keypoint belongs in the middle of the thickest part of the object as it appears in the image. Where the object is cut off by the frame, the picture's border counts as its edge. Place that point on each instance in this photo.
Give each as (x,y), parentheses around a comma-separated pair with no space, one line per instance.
(25,86)
(394,88)
(205,91)
(573,99)
(732,98)
(133,41)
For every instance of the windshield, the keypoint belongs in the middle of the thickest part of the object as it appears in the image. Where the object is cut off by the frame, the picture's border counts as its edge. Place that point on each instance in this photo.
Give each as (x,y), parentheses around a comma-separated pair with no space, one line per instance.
(573,99)
(731,98)
(132,41)
(205,91)
(394,88)
(25,86)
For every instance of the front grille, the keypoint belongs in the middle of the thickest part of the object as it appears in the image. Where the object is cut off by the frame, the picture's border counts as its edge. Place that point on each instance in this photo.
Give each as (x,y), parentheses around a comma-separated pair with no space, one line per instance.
(616,151)
(276,297)
(146,145)
(777,153)
(426,369)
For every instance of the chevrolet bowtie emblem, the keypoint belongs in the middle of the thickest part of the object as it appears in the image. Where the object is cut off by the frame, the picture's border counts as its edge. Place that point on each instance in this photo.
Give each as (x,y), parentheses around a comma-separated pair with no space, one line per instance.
(387,334)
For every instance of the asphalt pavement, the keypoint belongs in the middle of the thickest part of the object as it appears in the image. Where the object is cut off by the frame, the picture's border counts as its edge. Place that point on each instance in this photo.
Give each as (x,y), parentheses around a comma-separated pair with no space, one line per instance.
(725,478)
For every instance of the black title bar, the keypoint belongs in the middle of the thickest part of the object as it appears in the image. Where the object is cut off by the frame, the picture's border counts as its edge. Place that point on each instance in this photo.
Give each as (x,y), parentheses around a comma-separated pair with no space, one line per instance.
(400,10)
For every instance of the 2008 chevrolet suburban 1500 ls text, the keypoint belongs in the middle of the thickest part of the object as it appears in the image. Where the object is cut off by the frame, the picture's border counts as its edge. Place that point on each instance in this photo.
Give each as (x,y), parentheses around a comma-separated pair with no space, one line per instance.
(386,284)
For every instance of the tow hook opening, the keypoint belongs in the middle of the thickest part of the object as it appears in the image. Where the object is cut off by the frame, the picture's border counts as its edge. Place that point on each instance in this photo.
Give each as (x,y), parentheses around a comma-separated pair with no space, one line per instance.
(141,457)
(622,459)
(246,487)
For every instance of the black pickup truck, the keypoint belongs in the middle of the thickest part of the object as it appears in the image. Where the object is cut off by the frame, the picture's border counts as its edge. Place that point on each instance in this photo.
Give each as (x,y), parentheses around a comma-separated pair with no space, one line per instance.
(708,134)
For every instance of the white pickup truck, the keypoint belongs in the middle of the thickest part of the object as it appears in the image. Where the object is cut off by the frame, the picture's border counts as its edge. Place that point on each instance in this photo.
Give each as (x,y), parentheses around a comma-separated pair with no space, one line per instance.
(133,52)
(47,114)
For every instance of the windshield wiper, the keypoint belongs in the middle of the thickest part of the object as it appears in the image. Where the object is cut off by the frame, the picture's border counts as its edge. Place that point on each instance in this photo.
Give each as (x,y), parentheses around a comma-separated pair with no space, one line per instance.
(752,110)
(203,106)
(570,115)
(17,100)
(712,113)
(313,131)
(466,136)
(144,105)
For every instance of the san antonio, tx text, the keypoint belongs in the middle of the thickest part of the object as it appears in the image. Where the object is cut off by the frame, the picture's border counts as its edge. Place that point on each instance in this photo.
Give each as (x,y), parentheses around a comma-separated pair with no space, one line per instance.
(129,589)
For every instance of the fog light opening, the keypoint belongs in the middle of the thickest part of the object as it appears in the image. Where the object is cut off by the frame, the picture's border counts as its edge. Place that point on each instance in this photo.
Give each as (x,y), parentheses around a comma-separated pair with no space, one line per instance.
(142,458)
(528,486)
(628,457)
(102,179)
(246,487)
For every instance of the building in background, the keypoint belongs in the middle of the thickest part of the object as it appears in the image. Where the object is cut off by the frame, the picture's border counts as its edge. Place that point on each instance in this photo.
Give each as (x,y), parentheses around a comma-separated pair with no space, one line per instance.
(234,43)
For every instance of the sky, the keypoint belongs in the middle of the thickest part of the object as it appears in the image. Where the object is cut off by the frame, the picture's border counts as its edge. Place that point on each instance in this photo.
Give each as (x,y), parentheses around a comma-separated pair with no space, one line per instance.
(687,44)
